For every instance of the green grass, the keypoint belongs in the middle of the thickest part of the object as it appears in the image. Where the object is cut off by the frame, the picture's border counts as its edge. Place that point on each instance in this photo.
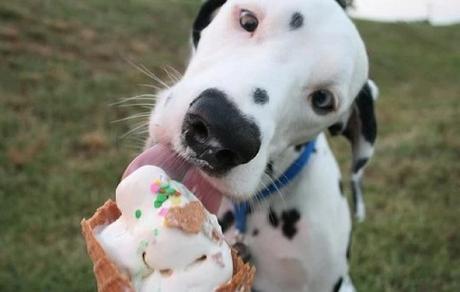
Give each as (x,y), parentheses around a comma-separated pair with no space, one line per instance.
(63,62)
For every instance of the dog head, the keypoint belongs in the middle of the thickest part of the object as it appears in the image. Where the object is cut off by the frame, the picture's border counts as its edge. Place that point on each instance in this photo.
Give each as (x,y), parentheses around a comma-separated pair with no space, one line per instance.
(264,76)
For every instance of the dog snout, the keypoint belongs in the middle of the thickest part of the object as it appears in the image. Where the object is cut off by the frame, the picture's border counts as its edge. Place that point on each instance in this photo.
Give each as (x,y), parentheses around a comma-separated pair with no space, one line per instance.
(218,133)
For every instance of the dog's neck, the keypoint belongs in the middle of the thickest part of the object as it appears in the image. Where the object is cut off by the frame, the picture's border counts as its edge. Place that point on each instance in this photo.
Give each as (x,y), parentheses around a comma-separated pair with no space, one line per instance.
(276,166)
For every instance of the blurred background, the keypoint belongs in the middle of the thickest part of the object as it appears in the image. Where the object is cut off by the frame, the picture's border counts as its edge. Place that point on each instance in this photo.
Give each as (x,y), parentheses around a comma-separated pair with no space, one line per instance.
(65,67)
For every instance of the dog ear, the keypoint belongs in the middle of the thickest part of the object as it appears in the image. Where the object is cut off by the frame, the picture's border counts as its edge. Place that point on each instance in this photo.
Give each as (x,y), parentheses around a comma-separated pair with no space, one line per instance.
(359,126)
(204,18)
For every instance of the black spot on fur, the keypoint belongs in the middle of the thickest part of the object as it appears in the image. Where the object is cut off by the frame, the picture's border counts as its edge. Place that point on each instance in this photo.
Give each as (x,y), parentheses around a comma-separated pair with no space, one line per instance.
(273,218)
(290,219)
(299,147)
(337,285)
(336,129)
(204,18)
(269,168)
(341,186)
(296,21)
(255,232)
(361,120)
(365,103)
(227,221)
(359,164)
(260,96)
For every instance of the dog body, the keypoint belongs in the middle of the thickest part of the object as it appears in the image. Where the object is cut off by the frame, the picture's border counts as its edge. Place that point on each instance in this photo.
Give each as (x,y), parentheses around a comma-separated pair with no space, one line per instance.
(265,78)
(298,238)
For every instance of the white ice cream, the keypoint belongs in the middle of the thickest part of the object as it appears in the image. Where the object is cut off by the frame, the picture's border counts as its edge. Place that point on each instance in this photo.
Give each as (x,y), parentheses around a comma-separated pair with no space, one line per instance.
(160,258)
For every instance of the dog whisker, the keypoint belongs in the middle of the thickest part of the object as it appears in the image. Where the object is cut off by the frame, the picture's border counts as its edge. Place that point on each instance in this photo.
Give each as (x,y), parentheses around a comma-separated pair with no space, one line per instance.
(151,97)
(255,203)
(134,148)
(141,68)
(175,71)
(278,175)
(154,77)
(151,86)
(137,128)
(143,105)
(278,191)
(136,116)
(137,139)
(135,142)
(173,78)
(142,132)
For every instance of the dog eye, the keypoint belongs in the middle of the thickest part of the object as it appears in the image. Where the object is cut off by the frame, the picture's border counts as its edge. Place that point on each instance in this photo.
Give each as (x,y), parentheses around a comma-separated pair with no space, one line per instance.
(323,101)
(248,21)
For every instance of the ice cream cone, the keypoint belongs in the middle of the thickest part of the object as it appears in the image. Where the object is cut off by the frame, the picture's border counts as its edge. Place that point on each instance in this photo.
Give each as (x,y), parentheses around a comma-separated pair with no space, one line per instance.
(243,276)
(110,279)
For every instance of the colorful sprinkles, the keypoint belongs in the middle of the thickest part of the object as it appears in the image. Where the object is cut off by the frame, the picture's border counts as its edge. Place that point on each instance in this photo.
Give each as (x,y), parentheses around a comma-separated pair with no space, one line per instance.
(154,188)
(138,214)
(175,201)
(163,212)
(164,190)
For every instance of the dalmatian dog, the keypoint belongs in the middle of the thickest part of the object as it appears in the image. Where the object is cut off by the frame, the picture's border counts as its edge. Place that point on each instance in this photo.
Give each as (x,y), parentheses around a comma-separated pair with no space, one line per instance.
(266,80)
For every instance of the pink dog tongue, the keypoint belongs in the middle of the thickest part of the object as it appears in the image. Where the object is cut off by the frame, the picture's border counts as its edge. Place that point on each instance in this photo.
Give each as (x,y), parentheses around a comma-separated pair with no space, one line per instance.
(180,170)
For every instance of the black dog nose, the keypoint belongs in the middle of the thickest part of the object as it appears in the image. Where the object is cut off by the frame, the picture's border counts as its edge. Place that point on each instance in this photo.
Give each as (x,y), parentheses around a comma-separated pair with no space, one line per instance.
(216,130)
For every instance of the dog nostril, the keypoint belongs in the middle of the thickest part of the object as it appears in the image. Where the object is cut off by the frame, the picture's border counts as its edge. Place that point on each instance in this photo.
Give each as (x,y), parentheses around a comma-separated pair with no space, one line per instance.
(200,131)
(226,157)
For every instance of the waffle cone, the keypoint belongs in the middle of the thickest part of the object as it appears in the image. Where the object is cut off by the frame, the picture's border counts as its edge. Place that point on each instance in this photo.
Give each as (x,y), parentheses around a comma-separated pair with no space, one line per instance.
(110,279)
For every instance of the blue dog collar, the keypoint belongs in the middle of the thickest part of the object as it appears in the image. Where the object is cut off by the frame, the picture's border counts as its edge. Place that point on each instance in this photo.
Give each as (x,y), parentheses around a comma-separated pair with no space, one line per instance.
(241,209)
